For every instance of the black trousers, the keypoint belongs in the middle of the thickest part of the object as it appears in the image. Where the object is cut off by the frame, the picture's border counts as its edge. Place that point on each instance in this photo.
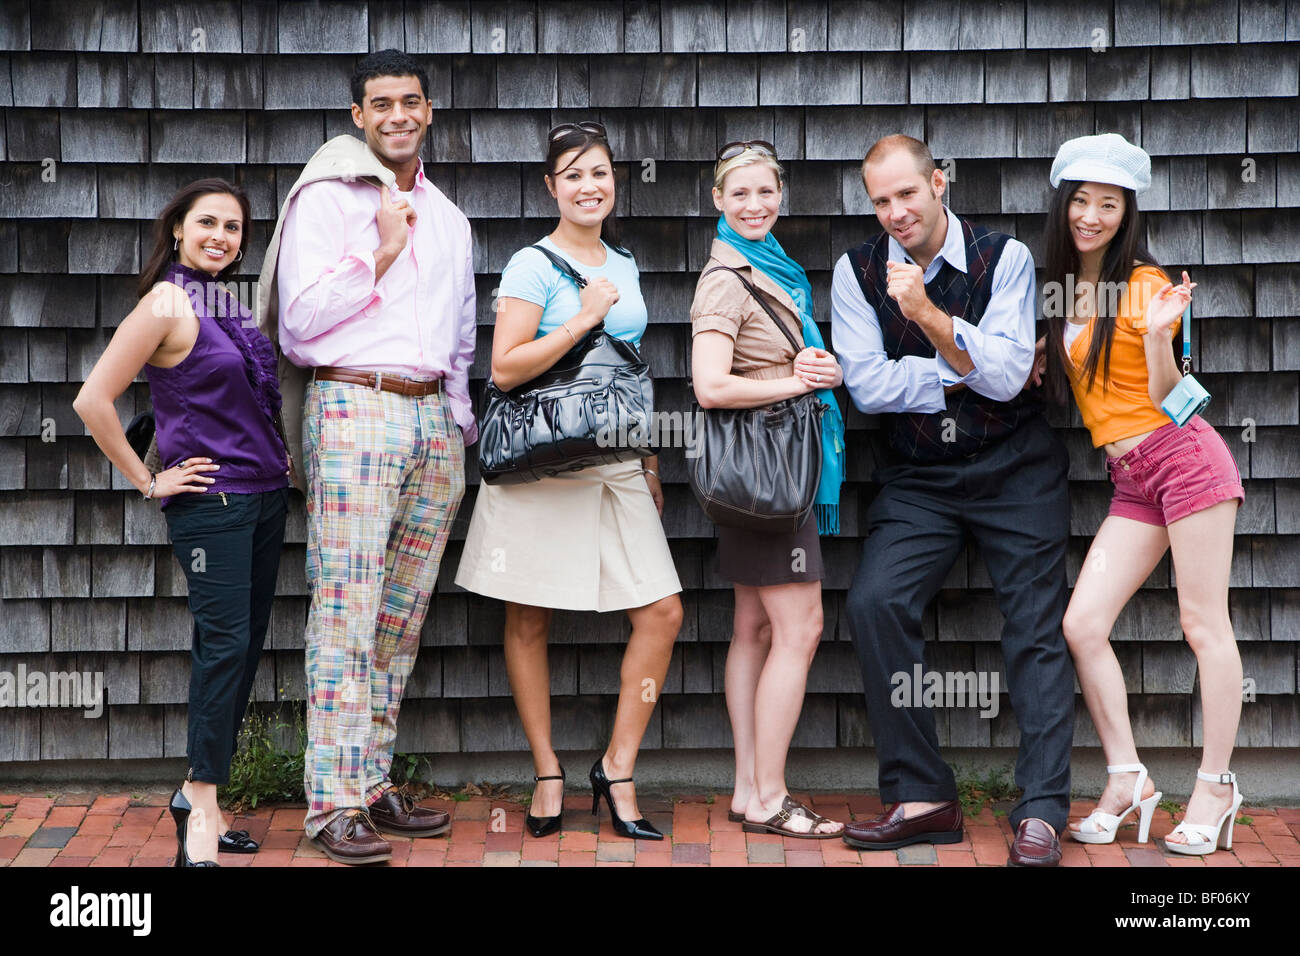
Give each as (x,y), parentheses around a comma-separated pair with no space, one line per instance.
(1013,500)
(229,549)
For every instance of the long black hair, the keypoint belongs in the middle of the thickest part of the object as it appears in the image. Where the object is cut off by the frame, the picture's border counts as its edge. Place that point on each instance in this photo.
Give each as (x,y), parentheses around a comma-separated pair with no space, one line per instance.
(583,140)
(1062,262)
(173,214)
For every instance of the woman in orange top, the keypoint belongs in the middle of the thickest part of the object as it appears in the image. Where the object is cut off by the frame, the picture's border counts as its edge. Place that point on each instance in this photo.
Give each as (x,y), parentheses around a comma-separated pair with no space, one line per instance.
(1176,488)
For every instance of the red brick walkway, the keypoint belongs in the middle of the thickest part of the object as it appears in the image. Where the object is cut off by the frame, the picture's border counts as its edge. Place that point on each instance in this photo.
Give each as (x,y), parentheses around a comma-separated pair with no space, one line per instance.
(85,829)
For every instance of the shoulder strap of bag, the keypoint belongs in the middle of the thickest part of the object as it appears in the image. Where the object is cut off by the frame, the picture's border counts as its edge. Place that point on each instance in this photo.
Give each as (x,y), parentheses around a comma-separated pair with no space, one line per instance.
(559,263)
(759,298)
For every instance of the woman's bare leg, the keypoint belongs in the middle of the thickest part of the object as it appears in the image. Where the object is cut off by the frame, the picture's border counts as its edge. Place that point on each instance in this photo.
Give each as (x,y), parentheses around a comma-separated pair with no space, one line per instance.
(641,679)
(526,633)
(751,638)
(1202,549)
(795,613)
(1122,556)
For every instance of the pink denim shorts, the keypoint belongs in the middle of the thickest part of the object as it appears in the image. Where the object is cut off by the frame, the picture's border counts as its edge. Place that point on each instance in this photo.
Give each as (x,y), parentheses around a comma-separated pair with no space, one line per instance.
(1172,473)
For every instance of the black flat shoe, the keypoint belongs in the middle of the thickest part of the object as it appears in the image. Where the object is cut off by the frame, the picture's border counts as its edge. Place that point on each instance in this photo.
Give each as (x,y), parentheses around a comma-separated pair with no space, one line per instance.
(237,841)
(632,829)
(544,826)
(180,808)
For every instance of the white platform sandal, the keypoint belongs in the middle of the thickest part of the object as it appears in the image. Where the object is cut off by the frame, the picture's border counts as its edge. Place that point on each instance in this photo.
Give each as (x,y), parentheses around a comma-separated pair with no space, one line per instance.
(1211,837)
(1101,827)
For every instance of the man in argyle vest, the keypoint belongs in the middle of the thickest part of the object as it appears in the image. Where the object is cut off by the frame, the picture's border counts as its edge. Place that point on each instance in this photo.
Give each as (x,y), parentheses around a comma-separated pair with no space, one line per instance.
(934,324)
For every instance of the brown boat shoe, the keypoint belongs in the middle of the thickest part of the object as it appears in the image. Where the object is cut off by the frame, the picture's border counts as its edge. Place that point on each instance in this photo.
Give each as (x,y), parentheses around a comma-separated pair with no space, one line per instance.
(352,838)
(397,814)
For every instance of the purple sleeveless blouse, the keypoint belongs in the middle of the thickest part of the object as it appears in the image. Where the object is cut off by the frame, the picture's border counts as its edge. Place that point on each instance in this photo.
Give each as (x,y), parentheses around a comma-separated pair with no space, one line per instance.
(208,407)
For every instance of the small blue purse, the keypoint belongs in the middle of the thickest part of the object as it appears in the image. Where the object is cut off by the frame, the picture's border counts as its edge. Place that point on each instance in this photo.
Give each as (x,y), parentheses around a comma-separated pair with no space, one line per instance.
(1189,396)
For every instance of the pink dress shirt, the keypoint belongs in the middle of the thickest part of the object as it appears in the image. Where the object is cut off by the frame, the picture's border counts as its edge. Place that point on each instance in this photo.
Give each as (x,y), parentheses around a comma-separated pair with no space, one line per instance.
(417,321)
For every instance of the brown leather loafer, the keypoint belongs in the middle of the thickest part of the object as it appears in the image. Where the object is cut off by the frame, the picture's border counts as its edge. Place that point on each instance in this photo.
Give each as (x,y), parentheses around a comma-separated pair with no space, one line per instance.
(1035,845)
(891,829)
(351,838)
(397,813)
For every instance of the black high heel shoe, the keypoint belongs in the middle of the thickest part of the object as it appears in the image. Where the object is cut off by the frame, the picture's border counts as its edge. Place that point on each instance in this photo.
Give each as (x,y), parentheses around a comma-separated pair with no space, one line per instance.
(180,808)
(543,826)
(633,829)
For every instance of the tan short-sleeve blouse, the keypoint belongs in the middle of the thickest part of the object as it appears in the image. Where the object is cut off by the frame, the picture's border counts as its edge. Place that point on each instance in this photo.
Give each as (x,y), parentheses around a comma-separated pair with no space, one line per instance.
(722,304)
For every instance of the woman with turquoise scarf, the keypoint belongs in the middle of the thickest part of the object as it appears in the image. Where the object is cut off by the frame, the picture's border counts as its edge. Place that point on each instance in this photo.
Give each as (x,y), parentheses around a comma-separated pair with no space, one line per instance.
(740,359)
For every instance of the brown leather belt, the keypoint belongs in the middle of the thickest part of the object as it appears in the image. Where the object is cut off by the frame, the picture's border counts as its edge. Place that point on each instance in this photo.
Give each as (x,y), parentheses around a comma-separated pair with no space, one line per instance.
(379,381)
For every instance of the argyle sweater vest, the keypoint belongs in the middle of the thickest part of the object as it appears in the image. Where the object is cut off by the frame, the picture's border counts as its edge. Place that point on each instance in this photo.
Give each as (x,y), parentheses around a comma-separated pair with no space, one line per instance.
(970,421)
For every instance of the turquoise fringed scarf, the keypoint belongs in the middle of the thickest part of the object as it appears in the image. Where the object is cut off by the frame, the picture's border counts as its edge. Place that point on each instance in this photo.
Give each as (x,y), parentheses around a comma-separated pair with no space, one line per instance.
(768,257)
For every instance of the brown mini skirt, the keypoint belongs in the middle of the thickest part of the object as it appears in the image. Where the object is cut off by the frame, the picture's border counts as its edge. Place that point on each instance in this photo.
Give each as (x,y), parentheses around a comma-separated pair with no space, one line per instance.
(757,560)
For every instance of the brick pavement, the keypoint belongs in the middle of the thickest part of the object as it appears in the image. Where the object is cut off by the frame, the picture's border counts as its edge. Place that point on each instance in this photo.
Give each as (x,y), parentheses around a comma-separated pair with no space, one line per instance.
(134,829)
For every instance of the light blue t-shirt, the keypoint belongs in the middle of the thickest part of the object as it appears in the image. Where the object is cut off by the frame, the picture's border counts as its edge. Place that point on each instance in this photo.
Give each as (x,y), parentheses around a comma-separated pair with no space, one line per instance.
(530,276)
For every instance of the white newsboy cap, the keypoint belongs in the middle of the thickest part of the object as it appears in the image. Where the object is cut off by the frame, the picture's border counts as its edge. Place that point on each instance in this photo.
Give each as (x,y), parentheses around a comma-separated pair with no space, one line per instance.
(1104,158)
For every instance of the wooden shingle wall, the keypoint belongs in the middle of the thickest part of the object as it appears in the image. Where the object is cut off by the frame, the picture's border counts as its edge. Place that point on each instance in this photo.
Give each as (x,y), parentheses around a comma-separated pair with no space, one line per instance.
(109,107)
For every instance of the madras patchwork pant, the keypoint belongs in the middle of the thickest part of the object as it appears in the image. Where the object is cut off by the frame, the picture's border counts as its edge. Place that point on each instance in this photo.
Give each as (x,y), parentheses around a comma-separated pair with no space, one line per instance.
(385,476)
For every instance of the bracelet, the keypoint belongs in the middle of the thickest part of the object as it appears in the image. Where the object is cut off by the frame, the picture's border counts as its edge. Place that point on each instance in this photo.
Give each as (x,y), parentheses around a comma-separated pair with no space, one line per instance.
(651,471)
(153,480)
(572,337)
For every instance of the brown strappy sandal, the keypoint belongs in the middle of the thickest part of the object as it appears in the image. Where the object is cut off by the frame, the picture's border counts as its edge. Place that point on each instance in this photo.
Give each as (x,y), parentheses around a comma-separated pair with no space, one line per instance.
(792,808)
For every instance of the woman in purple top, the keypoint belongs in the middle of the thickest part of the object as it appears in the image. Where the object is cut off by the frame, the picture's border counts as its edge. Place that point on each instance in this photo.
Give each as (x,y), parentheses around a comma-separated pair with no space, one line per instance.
(224,485)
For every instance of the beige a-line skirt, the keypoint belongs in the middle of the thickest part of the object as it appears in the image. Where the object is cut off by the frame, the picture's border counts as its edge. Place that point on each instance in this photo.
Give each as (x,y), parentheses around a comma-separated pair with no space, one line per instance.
(588,540)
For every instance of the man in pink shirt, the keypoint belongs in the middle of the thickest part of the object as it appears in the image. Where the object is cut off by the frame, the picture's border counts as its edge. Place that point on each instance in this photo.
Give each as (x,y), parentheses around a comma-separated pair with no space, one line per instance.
(376,300)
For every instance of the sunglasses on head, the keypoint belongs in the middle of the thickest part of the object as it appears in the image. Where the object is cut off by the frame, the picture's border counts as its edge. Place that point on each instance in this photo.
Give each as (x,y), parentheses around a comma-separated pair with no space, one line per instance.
(564,129)
(732,150)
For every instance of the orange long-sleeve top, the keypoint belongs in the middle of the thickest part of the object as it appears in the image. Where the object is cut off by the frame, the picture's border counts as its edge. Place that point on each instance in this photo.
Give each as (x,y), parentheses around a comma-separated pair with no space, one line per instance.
(1122,408)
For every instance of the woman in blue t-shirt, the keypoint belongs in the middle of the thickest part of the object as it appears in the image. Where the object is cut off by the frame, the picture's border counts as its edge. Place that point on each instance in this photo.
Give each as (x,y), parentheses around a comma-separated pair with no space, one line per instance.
(588,540)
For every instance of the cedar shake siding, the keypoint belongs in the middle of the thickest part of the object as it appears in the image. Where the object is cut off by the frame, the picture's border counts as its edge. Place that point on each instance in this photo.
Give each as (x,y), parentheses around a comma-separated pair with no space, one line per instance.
(108,107)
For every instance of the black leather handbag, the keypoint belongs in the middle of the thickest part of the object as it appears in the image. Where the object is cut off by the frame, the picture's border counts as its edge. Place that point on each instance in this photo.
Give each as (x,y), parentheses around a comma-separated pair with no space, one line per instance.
(139,433)
(592,407)
(758,468)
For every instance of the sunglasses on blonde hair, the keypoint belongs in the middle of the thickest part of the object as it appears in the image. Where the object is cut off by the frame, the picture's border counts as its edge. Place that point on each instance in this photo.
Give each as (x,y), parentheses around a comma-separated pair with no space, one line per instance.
(732,150)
